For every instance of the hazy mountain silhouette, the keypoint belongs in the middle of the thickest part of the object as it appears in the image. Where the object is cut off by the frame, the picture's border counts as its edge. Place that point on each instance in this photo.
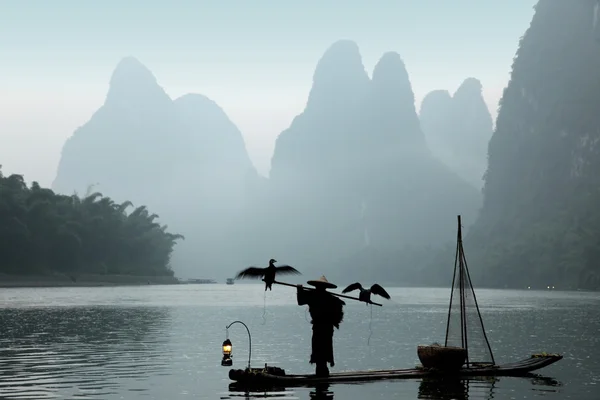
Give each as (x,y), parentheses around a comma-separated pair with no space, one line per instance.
(353,171)
(540,221)
(458,129)
(352,175)
(315,163)
(184,159)
(117,148)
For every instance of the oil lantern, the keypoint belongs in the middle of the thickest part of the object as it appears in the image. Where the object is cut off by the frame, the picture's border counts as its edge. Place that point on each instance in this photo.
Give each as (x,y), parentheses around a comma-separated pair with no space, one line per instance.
(227,361)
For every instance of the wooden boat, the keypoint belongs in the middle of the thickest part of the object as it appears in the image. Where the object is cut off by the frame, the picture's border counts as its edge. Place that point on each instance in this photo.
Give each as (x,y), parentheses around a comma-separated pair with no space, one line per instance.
(466,351)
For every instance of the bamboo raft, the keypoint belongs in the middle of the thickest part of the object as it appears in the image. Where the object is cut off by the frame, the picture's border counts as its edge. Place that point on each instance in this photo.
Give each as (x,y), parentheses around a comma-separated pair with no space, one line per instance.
(257,376)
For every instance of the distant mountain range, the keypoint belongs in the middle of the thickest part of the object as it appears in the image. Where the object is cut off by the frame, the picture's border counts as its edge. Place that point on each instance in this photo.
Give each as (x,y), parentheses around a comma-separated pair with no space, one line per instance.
(353,179)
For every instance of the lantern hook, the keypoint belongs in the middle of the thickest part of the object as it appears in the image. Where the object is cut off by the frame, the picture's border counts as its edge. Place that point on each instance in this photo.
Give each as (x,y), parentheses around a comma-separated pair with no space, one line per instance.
(249,338)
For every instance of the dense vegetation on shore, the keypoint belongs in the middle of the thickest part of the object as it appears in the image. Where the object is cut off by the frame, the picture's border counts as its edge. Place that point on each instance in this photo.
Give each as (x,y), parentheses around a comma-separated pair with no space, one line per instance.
(43,232)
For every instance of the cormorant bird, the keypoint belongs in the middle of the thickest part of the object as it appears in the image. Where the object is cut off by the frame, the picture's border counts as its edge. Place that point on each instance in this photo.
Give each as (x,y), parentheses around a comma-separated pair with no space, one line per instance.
(365,294)
(268,273)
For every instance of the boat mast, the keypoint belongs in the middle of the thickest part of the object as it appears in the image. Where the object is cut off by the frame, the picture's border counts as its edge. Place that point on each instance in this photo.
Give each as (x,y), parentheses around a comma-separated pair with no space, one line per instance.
(463,309)
(451,294)
(464,284)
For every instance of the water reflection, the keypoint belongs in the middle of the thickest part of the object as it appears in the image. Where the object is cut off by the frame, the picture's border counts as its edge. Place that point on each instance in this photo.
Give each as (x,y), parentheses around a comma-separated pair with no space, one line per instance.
(321,392)
(456,388)
(443,389)
(317,392)
(481,388)
(247,392)
(79,352)
(547,384)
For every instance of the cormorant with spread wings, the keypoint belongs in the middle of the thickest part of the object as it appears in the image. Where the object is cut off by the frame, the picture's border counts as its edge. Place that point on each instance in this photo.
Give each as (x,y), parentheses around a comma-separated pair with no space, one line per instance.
(268,273)
(365,294)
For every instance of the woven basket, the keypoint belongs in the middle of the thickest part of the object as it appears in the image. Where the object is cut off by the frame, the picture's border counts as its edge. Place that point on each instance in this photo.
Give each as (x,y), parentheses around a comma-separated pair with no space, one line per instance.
(442,357)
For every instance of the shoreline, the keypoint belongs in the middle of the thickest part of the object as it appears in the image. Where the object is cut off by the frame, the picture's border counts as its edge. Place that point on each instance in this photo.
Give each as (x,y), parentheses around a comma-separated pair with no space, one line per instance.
(49,281)
(89,280)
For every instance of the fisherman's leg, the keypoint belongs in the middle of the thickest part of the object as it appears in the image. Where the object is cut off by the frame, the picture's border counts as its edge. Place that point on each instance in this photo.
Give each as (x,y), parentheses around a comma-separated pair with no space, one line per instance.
(315,350)
(319,354)
(322,356)
(322,370)
(322,346)
(330,348)
(326,344)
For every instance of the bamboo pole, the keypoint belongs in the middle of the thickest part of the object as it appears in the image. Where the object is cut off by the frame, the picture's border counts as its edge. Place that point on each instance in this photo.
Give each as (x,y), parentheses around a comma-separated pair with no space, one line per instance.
(335,294)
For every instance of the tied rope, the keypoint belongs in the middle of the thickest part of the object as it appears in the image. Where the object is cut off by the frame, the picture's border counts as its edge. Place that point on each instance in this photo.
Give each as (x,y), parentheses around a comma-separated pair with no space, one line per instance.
(370,329)
(264,320)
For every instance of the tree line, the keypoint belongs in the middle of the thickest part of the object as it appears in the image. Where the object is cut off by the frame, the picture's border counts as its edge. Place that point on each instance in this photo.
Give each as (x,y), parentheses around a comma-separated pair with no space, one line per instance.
(44,232)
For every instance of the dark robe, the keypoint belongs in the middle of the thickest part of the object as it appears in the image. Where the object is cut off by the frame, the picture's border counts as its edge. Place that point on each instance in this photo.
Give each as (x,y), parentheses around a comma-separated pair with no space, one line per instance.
(326,311)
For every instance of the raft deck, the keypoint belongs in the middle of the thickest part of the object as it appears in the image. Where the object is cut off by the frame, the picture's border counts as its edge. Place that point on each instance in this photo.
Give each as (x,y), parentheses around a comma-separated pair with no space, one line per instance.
(519,368)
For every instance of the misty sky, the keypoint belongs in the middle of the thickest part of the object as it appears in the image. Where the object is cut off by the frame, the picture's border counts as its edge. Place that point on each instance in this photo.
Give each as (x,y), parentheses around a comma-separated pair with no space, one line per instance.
(254,58)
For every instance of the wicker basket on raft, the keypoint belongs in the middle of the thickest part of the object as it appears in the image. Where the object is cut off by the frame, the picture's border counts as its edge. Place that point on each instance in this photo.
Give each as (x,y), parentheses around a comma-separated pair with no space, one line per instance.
(446,358)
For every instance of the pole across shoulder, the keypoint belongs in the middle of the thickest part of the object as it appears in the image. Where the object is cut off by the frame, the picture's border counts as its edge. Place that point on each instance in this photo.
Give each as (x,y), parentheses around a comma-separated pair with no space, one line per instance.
(335,294)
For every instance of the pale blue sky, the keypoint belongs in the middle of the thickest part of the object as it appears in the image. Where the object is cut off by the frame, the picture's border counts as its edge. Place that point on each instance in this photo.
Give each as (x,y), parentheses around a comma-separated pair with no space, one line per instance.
(254,58)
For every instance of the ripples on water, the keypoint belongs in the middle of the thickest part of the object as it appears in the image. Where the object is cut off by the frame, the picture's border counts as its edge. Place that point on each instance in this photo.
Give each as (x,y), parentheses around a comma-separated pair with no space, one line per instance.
(163,342)
(80,352)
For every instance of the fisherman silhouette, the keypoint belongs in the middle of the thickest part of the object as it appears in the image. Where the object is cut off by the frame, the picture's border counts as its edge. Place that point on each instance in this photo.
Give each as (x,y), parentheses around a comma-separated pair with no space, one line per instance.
(326,311)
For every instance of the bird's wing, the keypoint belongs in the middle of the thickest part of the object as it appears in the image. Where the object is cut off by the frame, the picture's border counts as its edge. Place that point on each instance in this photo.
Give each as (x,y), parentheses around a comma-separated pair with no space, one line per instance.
(352,287)
(286,270)
(376,289)
(251,273)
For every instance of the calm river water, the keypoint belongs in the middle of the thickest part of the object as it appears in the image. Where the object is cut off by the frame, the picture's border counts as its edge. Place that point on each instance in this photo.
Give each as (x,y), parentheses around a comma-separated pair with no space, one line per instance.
(164,342)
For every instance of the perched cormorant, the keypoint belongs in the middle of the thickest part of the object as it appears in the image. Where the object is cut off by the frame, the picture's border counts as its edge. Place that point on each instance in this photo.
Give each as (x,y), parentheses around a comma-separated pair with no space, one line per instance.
(268,273)
(365,294)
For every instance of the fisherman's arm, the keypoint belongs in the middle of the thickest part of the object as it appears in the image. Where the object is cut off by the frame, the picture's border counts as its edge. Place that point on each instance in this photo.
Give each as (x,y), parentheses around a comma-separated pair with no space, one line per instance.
(302,295)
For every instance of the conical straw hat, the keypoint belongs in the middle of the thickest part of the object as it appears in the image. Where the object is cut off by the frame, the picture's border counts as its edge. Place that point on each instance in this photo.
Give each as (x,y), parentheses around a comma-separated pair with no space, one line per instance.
(322,281)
